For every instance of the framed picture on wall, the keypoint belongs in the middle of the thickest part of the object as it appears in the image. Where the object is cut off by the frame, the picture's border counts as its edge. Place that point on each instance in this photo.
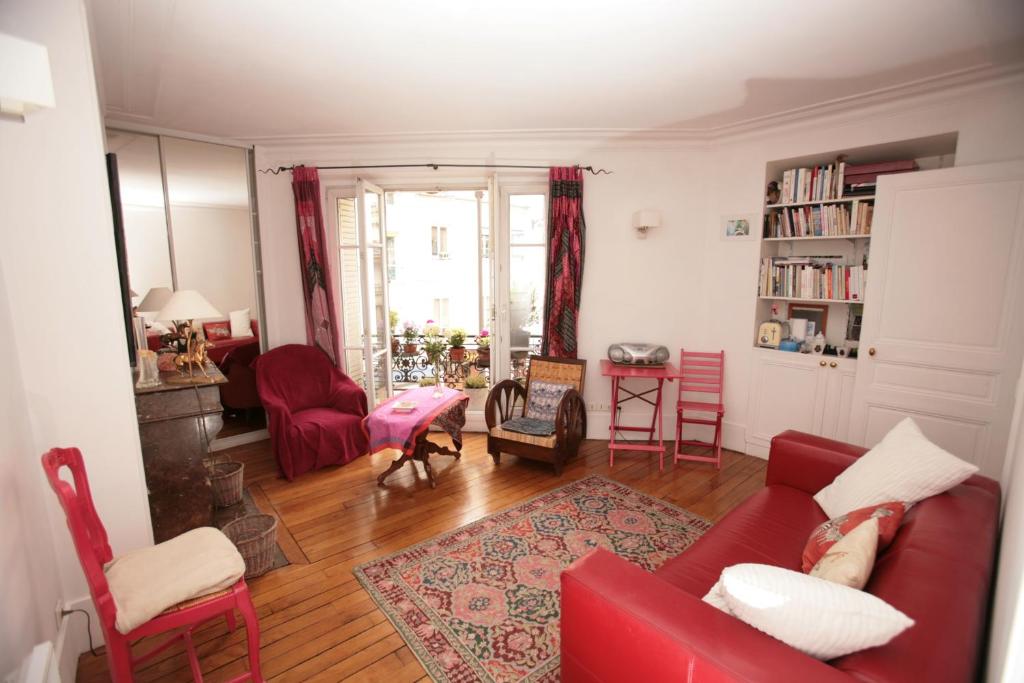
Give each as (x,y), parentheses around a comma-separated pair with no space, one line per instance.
(737,227)
(813,313)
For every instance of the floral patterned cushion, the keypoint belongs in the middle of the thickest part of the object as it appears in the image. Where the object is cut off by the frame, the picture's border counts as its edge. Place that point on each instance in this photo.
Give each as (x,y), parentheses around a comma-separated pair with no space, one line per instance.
(542,402)
(889,516)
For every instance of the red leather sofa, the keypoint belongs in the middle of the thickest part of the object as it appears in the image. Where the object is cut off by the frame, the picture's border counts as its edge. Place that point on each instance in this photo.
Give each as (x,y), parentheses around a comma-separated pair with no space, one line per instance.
(621,623)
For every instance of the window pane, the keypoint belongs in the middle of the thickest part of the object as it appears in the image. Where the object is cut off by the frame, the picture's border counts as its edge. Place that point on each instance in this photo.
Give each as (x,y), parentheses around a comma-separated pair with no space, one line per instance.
(373,217)
(527,219)
(526,294)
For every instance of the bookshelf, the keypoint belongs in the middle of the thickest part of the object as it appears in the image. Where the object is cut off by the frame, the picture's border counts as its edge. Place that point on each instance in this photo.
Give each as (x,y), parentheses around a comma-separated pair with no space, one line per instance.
(829,223)
(813,393)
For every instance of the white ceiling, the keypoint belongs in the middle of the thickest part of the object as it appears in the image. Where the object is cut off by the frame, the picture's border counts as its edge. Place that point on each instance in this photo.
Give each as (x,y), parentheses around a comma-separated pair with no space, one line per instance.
(263,68)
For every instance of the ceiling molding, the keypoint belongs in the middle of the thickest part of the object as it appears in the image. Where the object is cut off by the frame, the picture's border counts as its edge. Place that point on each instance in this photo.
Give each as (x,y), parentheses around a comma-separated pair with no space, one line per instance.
(329,148)
(911,93)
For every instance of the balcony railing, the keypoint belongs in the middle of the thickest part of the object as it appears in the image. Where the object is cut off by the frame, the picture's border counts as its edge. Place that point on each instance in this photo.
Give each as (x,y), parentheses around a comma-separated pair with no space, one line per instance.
(409,363)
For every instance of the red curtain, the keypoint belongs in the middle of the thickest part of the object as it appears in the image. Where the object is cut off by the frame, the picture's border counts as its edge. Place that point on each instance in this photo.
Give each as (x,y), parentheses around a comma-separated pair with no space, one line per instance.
(566,238)
(321,324)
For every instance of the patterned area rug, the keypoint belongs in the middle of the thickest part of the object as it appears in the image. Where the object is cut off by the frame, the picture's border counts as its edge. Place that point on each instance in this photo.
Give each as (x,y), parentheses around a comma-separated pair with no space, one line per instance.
(481,603)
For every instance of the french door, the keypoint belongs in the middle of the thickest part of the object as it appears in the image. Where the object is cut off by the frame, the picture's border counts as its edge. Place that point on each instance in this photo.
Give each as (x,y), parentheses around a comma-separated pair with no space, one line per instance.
(362,268)
(519,282)
(512,251)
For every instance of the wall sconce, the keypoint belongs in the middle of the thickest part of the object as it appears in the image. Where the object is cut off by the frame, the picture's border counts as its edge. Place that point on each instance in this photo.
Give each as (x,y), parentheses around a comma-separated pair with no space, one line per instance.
(25,81)
(644,221)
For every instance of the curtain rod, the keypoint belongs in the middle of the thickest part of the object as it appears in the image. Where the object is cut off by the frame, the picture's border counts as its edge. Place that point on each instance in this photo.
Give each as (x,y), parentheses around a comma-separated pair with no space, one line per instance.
(279,169)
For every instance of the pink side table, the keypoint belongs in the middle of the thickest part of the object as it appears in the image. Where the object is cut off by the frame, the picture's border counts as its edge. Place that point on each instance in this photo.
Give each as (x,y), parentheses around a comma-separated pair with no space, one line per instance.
(618,373)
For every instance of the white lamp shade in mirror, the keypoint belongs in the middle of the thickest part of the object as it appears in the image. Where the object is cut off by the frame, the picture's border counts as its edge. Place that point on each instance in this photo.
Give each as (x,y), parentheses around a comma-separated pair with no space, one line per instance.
(25,81)
(188,304)
(155,299)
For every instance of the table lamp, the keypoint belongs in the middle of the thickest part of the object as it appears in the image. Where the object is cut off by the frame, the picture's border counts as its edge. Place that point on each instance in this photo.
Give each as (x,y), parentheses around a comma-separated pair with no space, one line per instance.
(155,299)
(188,304)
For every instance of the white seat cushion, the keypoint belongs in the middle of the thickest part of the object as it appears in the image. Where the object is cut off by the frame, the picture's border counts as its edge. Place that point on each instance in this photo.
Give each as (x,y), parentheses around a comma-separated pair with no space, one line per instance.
(147,581)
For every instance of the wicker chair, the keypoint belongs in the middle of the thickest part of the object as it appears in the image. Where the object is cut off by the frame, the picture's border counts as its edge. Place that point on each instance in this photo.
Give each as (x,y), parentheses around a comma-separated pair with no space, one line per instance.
(509,399)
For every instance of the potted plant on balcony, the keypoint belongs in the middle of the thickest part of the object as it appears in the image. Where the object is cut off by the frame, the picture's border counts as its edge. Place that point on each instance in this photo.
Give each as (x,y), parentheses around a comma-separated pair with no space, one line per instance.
(393,328)
(483,349)
(410,332)
(434,345)
(456,339)
(476,389)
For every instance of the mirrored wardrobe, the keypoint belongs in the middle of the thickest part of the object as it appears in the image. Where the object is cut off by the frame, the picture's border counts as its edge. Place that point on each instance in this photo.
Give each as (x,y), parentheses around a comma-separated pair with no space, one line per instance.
(186,210)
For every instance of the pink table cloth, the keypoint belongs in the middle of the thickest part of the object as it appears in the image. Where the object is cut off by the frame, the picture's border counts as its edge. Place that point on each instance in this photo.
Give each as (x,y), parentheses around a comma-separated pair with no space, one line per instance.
(387,428)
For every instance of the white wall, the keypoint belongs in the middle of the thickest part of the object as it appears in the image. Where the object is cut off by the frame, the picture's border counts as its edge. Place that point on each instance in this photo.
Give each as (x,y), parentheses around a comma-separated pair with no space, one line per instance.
(29,584)
(683,285)
(64,326)
(282,286)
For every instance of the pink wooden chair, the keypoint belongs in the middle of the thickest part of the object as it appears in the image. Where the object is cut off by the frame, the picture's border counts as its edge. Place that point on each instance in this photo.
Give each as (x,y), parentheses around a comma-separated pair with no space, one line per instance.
(90,538)
(700,373)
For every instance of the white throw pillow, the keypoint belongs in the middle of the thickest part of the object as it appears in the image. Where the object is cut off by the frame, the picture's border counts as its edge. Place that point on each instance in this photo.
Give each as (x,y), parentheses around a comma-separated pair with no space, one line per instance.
(716,599)
(904,466)
(240,325)
(822,619)
(849,562)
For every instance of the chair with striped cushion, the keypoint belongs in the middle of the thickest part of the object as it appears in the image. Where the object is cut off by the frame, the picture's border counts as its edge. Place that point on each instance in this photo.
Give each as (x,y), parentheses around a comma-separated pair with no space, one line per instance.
(700,402)
(544,420)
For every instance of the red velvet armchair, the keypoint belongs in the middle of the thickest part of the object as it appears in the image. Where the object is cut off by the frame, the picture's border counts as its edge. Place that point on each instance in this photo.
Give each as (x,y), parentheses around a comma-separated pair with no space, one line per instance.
(314,411)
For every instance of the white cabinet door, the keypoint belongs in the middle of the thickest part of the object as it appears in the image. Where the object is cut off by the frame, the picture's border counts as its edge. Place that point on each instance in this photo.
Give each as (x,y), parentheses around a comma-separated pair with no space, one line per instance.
(787,394)
(837,397)
(942,336)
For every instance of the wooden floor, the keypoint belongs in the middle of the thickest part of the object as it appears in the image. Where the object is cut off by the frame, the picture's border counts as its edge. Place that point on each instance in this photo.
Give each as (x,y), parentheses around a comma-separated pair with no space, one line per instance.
(316,621)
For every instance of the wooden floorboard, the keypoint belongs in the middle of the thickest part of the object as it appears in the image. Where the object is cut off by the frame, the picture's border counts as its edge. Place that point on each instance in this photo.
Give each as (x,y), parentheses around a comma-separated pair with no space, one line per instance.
(316,621)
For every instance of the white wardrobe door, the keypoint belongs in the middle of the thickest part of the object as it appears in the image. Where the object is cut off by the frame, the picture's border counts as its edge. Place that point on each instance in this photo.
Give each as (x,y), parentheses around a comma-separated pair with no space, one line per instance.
(943,335)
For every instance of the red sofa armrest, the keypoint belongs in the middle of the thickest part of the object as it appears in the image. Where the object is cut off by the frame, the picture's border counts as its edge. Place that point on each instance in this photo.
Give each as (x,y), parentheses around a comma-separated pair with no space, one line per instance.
(807,462)
(621,623)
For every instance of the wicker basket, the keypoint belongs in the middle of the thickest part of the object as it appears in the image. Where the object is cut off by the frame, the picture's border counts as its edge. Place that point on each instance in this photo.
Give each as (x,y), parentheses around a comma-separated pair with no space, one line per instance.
(226,482)
(255,536)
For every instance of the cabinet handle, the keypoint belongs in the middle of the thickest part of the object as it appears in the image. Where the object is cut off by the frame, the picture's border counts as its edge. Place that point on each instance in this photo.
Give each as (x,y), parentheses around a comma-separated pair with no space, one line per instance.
(833,364)
(871,351)
(821,363)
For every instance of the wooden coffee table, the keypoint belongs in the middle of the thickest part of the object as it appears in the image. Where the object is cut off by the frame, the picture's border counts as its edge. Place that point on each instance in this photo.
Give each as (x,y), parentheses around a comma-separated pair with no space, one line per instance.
(407,431)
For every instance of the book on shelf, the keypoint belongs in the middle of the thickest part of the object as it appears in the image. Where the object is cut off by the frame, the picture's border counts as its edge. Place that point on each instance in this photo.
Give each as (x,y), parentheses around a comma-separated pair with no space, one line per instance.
(812,184)
(811,277)
(836,180)
(828,220)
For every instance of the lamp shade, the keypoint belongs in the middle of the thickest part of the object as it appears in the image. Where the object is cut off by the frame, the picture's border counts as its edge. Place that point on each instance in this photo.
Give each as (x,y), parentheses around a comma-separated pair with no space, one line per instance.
(155,299)
(646,219)
(25,81)
(187,304)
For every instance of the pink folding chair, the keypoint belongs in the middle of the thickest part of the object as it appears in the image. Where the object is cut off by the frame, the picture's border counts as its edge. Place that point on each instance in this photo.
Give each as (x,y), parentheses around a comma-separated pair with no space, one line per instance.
(93,549)
(700,373)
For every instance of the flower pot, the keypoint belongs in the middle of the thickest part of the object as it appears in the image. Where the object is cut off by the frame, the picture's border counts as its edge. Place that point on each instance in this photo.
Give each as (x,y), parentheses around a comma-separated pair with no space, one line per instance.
(395,346)
(477,398)
(410,349)
(457,354)
(483,357)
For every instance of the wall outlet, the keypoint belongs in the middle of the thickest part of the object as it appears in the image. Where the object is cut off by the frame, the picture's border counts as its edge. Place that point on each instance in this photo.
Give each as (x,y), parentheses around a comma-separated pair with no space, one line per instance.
(598,407)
